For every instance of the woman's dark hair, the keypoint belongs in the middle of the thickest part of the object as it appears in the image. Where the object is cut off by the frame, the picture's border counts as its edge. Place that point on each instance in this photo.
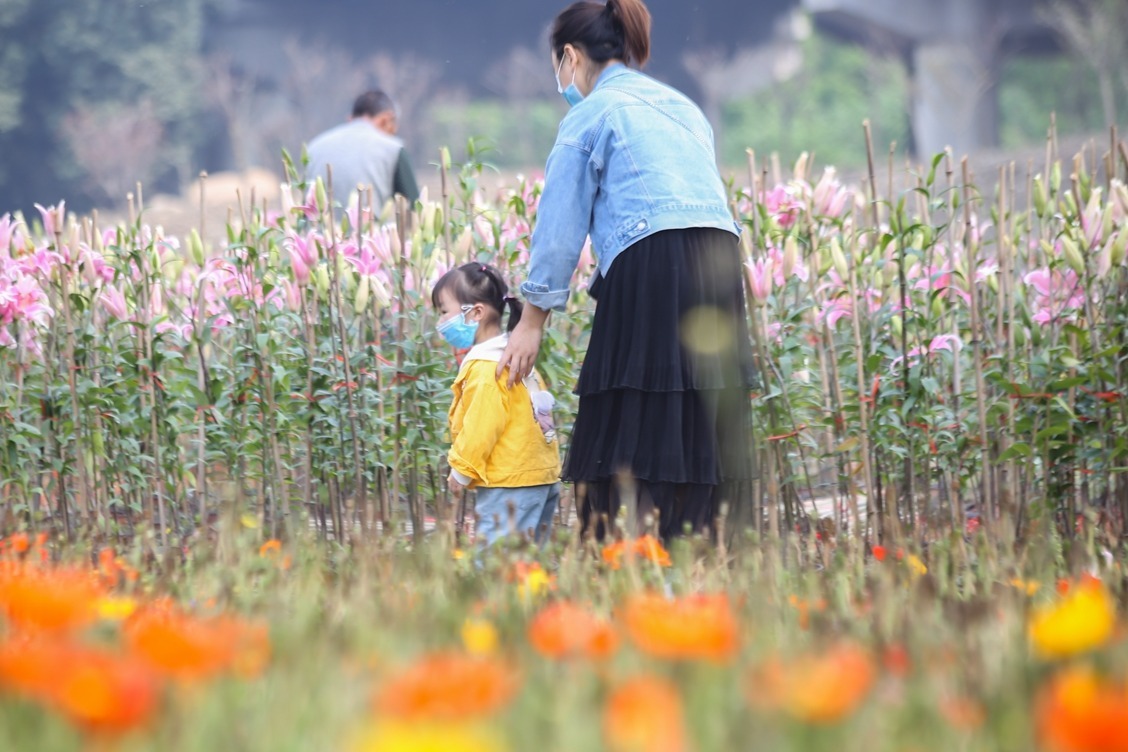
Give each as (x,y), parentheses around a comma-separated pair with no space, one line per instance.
(619,30)
(479,283)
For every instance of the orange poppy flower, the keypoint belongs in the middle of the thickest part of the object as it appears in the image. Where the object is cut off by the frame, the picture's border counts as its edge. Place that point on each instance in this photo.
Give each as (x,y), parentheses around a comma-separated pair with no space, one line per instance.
(565,630)
(1079,712)
(693,627)
(56,600)
(189,648)
(647,547)
(96,690)
(447,686)
(815,688)
(29,667)
(105,693)
(644,714)
(272,547)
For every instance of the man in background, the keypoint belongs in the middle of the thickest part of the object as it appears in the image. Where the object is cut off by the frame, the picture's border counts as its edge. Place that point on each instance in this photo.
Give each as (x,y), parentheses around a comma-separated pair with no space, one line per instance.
(365,151)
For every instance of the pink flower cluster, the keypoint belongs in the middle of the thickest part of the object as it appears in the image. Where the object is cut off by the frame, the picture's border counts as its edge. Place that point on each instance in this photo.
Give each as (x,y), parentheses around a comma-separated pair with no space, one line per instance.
(24,303)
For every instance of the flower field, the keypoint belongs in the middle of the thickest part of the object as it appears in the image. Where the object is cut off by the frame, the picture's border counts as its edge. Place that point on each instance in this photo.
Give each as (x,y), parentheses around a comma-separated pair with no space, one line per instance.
(225,523)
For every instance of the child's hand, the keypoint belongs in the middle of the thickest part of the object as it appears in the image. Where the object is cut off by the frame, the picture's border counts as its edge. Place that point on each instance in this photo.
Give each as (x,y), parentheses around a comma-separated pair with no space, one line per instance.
(455,487)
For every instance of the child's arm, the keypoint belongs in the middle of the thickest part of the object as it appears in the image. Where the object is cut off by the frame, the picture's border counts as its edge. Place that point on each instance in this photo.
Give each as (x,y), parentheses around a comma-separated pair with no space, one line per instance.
(487,412)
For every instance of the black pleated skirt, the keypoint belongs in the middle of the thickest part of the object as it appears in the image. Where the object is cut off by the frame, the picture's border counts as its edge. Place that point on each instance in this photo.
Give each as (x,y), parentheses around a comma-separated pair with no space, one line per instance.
(665,414)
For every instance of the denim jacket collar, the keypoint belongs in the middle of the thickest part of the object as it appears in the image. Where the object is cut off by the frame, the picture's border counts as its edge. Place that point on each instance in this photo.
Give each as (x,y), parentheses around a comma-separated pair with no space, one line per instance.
(611,71)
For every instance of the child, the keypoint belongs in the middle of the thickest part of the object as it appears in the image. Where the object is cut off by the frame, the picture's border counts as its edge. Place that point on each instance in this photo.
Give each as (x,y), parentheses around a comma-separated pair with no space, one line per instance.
(503,439)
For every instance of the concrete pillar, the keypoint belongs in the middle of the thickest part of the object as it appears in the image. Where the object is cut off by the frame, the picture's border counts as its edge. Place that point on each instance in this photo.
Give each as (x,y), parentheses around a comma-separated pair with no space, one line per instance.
(955,98)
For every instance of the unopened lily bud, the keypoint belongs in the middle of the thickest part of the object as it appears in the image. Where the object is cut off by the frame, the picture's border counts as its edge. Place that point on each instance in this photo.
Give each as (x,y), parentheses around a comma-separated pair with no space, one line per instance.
(321,196)
(897,325)
(344,275)
(196,248)
(1118,246)
(286,193)
(838,258)
(1121,192)
(1040,198)
(790,256)
(1055,178)
(416,241)
(360,303)
(1070,204)
(464,244)
(380,290)
(1072,254)
(437,221)
(917,240)
(321,279)
(801,166)
(444,157)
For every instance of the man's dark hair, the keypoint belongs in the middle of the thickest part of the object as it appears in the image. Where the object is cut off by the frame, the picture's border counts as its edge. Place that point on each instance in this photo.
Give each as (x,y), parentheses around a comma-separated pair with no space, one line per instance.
(372,103)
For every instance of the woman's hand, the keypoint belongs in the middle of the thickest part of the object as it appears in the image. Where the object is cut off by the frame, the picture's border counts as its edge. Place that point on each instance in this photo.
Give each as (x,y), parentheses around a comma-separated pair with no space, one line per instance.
(524,343)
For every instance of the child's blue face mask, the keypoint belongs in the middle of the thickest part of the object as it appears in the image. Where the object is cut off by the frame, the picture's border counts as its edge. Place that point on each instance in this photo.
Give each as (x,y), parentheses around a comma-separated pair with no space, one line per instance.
(572,95)
(459,332)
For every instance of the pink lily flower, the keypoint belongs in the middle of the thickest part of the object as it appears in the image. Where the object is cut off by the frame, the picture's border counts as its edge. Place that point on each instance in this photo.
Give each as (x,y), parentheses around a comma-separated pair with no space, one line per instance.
(829,198)
(760,277)
(53,218)
(303,256)
(1056,293)
(113,301)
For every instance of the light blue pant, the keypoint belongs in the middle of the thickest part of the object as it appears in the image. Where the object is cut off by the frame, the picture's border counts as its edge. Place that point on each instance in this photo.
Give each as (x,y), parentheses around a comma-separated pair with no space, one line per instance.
(533,508)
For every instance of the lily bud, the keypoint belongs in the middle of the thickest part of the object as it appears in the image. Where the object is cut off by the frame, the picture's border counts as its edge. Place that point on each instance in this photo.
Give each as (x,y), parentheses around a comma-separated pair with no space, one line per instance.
(801,166)
(838,258)
(380,290)
(196,248)
(464,245)
(321,195)
(1118,246)
(1040,198)
(1055,178)
(1070,204)
(1072,254)
(321,280)
(444,157)
(790,257)
(360,303)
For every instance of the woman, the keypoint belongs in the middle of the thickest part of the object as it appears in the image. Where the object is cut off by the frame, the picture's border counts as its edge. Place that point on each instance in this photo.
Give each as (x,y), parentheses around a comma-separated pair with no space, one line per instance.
(664,406)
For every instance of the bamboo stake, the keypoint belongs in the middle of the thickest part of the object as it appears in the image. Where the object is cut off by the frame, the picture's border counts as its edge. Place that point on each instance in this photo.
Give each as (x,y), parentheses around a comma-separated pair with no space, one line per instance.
(971,249)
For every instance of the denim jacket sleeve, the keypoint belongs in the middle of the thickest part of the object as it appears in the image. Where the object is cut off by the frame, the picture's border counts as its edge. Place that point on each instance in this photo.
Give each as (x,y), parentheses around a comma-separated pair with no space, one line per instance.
(571,181)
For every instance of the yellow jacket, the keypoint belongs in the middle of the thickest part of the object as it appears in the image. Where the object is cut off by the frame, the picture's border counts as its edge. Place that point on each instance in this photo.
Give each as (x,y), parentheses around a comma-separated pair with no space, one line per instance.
(495,438)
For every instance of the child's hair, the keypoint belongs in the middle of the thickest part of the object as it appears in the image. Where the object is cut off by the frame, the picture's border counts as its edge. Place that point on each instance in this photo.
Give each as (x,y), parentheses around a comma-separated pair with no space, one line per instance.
(479,283)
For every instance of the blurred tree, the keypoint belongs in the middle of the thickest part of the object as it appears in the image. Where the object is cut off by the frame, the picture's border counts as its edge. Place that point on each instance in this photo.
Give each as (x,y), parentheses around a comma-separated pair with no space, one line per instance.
(821,109)
(1094,31)
(72,56)
(116,146)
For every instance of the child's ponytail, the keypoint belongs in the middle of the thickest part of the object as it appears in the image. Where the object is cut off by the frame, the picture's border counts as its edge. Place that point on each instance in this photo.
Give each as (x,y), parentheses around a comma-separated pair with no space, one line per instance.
(516,307)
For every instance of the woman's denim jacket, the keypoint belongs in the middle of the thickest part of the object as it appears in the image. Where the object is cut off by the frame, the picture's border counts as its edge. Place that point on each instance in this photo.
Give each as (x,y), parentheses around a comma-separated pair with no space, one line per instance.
(635,157)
